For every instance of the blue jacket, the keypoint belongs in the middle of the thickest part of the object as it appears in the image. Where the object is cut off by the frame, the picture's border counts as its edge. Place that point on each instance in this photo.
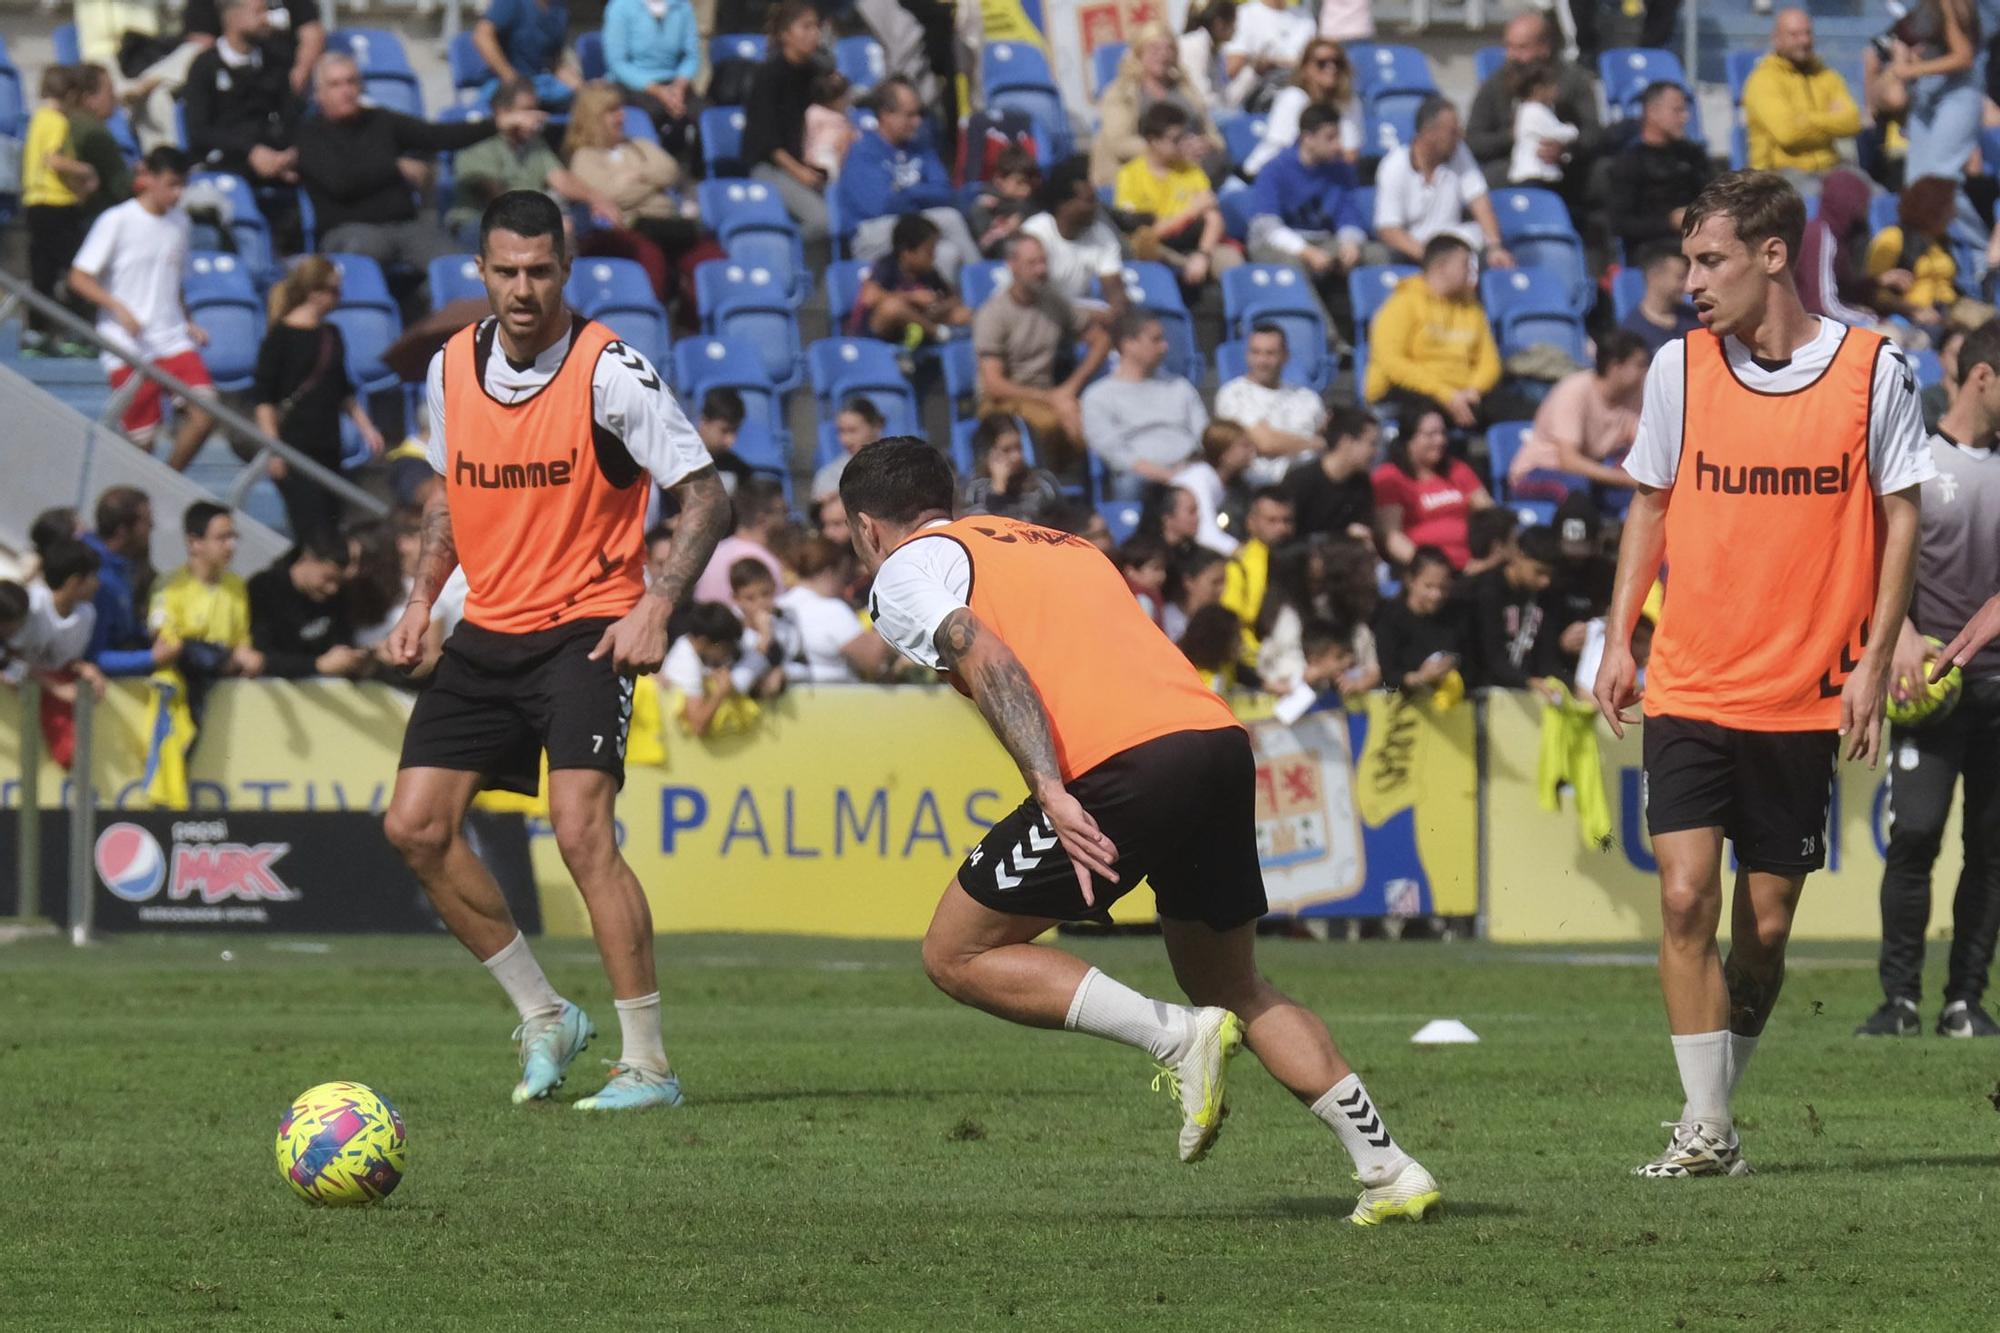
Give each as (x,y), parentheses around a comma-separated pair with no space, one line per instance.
(1303,198)
(880,180)
(642,50)
(531,37)
(120,644)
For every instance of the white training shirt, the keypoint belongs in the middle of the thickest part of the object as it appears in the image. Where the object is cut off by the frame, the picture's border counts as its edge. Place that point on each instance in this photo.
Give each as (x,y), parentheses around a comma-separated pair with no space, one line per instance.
(1279,36)
(1426,207)
(47,639)
(627,398)
(138,259)
(921,583)
(825,626)
(1899,455)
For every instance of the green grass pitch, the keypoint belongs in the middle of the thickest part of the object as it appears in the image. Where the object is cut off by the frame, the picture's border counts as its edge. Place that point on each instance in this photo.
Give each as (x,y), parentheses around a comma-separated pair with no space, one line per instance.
(859,1152)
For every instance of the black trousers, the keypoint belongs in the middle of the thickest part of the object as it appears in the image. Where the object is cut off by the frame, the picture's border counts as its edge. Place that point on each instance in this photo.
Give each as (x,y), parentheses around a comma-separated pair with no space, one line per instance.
(310,508)
(1925,764)
(54,235)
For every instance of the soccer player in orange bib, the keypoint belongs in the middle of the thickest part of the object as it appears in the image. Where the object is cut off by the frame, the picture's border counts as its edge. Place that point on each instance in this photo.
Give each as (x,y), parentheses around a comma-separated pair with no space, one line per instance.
(1134,771)
(547,435)
(1777,464)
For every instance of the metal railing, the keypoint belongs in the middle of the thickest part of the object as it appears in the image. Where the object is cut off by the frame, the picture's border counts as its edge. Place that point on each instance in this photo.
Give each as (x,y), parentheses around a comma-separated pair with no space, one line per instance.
(14,293)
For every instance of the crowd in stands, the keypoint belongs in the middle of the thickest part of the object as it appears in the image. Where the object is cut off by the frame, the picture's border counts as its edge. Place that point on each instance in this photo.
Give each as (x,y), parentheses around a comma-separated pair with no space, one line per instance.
(1429,329)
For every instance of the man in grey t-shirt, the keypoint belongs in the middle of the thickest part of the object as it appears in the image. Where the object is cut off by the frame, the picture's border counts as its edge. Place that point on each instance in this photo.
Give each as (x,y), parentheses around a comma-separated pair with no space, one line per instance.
(1958,564)
(1143,425)
(1022,337)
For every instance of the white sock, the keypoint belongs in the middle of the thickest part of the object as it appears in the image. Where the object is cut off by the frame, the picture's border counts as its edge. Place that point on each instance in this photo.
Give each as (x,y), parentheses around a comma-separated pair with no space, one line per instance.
(1703,1058)
(639,1028)
(1106,1008)
(515,968)
(1347,1107)
(1741,1048)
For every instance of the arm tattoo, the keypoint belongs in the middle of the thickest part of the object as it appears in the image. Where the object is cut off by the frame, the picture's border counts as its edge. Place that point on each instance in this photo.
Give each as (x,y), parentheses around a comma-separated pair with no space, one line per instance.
(703,522)
(1004,693)
(439,556)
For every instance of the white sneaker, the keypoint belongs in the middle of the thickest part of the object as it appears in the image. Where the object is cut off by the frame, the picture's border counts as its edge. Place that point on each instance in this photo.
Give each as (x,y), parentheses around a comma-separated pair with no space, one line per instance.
(1200,1079)
(1694,1151)
(1411,1194)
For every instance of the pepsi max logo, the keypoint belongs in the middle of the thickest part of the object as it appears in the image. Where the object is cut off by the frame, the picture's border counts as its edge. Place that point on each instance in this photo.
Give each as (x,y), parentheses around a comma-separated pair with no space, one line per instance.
(130,862)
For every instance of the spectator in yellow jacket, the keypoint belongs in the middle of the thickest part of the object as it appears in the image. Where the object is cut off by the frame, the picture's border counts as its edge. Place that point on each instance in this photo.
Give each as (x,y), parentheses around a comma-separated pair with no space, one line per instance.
(1266,525)
(1797,110)
(1430,344)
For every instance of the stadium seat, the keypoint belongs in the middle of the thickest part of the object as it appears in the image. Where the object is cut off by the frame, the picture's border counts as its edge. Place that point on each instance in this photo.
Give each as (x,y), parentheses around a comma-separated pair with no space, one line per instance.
(843,289)
(1121,518)
(733,204)
(469,70)
(705,363)
(223,300)
(1627,71)
(961,373)
(590,56)
(1738,65)
(1739,147)
(757,446)
(1371,284)
(120,126)
(1234,201)
(1628,288)
(1503,445)
(1155,287)
(1015,76)
(248,231)
(840,226)
(861,60)
(1486,62)
(979,280)
(1527,326)
(1929,369)
(68,50)
(843,368)
(1104,66)
(726,46)
(639,125)
(1232,361)
(376,50)
(1014,65)
(454,278)
(394,92)
(753,306)
(1279,294)
(214,275)
(1505,290)
(722,141)
(595,284)
(1535,227)
(369,320)
(1388,126)
(1383,67)
(1241,134)
(961,446)
(1882,212)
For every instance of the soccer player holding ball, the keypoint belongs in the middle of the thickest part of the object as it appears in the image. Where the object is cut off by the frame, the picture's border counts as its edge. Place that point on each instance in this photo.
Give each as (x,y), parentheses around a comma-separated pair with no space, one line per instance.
(547,435)
(1958,559)
(1135,770)
(1777,464)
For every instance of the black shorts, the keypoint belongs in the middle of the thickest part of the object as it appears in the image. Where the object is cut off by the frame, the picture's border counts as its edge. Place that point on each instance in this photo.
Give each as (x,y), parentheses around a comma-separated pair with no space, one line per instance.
(1182,811)
(496,701)
(1768,791)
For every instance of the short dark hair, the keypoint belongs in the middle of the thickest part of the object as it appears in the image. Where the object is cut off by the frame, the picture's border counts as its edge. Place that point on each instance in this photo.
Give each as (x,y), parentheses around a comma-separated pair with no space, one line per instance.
(52,525)
(1317,116)
(1212,638)
(1060,185)
(1980,348)
(756,496)
(66,558)
(526,213)
(1654,91)
(197,516)
(889,87)
(1430,109)
(1264,330)
(830,85)
(1347,421)
(897,479)
(1274,494)
(748,572)
(1488,529)
(166,160)
(1442,246)
(326,547)
(1316,636)
(713,621)
(13,601)
(722,404)
(1617,347)
(1161,119)
(1539,544)
(118,509)
(512,90)
(911,230)
(1425,557)
(1141,548)
(1131,322)
(1762,205)
(1655,255)
(1015,161)
(864,407)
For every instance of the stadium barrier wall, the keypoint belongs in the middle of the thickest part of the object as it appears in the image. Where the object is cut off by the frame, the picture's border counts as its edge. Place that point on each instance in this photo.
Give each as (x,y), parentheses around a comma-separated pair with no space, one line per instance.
(846,811)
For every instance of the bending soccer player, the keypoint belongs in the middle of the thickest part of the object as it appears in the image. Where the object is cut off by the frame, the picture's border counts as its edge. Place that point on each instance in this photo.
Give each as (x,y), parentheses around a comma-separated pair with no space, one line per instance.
(1778,466)
(547,434)
(1135,771)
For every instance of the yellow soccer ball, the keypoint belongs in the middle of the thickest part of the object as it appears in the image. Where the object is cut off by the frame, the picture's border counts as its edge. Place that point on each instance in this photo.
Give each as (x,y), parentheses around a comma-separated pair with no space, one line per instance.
(341,1145)
(1934,702)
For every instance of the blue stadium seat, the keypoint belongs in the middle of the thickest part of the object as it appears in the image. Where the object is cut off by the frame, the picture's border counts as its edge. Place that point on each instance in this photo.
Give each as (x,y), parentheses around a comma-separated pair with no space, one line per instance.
(751,305)
(757,446)
(1525,326)
(1121,518)
(733,204)
(1389,125)
(725,46)
(1381,67)
(1625,72)
(1506,290)
(376,50)
(469,70)
(1535,226)
(843,368)
(705,363)
(1628,288)
(961,445)
(1045,111)
(120,126)
(223,300)
(1104,66)
(639,125)
(1503,445)
(1526,211)
(618,294)
(214,275)
(978,281)
(1486,62)
(454,278)
(843,288)
(1155,287)
(1016,76)
(1014,65)
(590,56)
(1234,202)
(68,50)
(369,320)
(961,373)
(394,92)
(1929,369)
(362,282)
(1882,212)
(722,141)
(248,230)
(1738,64)
(1739,147)
(1241,134)
(861,60)
(1263,288)
(840,226)
(1370,285)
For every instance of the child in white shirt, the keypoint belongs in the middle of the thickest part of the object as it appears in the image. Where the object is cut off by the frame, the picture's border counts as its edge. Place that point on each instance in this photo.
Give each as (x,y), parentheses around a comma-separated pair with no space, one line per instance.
(1536,125)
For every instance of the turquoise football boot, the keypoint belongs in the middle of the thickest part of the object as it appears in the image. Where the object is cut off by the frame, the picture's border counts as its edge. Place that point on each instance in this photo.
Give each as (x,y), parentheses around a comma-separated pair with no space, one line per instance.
(634,1089)
(548,1047)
